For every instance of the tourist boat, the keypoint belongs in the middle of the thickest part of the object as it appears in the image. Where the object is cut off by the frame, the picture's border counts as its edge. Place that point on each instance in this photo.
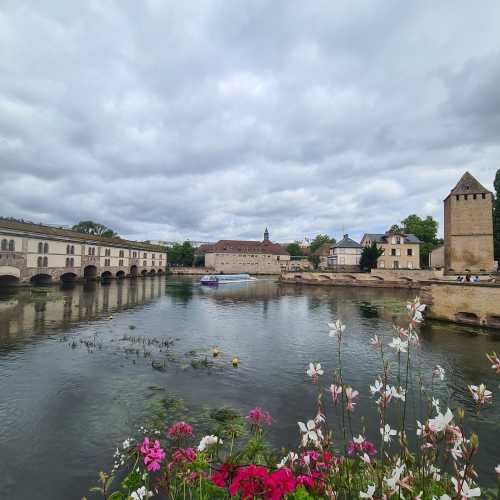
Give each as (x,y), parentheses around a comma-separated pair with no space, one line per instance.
(219,279)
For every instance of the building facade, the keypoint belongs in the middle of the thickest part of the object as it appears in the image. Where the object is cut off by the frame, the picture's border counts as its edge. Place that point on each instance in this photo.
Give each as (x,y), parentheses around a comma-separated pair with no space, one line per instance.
(400,251)
(32,252)
(436,258)
(468,227)
(345,255)
(322,253)
(252,257)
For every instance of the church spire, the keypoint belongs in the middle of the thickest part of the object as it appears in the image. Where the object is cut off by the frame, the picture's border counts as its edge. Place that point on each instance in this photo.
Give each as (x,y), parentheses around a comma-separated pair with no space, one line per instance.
(266,235)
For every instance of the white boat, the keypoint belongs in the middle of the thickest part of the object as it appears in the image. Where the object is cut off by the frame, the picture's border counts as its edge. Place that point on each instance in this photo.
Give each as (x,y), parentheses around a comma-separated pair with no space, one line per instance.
(220,279)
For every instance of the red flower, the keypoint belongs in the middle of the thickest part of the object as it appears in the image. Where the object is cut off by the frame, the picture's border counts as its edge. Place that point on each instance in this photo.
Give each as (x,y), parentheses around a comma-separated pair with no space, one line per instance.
(180,430)
(220,477)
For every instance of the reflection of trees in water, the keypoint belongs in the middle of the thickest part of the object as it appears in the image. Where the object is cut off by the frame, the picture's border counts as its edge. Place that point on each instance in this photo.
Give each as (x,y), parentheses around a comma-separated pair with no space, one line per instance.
(24,312)
(180,291)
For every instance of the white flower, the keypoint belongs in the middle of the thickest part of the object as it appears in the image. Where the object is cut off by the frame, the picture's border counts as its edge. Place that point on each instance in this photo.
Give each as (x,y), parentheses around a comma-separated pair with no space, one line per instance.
(291,457)
(398,393)
(310,433)
(395,475)
(435,403)
(208,441)
(480,393)
(440,422)
(141,493)
(464,489)
(420,428)
(456,451)
(439,372)
(399,345)
(387,432)
(126,444)
(314,370)
(377,387)
(359,440)
(369,492)
(336,329)
(366,459)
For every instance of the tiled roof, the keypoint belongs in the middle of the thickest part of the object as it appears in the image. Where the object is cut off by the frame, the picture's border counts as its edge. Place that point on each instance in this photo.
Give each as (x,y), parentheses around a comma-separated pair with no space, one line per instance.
(468,184)
(48,231)
(382,238)
(242,246)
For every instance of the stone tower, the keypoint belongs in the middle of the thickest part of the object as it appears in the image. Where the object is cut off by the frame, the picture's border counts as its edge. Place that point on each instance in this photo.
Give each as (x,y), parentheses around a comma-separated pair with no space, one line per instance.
(468,227)
(266,235)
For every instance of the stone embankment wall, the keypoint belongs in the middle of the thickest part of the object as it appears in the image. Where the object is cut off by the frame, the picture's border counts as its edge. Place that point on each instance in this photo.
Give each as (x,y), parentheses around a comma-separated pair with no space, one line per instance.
(467,303)
(385,278)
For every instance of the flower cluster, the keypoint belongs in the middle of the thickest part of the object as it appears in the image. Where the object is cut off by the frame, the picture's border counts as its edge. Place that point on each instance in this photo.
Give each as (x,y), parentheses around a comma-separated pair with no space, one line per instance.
(152,453)
(180,431)
(258,417)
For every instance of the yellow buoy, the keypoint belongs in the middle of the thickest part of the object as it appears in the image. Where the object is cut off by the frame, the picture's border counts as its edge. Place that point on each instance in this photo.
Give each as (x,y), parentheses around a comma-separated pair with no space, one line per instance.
(215,352)
(236,362)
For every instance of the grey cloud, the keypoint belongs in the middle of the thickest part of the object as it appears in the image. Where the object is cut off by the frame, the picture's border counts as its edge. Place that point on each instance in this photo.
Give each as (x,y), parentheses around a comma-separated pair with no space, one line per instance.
(215,119)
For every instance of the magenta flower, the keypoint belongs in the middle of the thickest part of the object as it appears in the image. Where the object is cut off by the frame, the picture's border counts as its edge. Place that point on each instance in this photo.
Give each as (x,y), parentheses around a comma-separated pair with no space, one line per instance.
(258,417)
(152,453)
(180,431)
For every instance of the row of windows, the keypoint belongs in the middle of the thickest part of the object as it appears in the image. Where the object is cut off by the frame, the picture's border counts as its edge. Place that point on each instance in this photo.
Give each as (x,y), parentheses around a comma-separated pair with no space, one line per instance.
(70,262)
(9,245)
(395,264)
(474,196)
(396,252)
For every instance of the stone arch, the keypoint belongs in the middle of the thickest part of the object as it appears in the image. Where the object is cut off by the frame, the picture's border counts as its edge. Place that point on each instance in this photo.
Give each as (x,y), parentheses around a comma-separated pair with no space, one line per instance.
(90,272)
(160,272)
(467,318)
(133,271)
(106,275)
(493,320)
(144,272)
(68,277)
(152,272)
(41,279)
(9,275)
(120,275)
(351,277)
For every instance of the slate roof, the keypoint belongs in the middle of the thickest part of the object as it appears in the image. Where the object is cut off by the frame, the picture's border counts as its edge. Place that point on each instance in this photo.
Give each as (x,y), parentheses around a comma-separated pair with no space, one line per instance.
(468,184)
(69,234)
(347,242)
(382,238)
(242,246)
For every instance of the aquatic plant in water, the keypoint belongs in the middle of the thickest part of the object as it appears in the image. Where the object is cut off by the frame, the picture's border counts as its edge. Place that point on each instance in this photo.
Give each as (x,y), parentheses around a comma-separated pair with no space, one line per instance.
(439,466)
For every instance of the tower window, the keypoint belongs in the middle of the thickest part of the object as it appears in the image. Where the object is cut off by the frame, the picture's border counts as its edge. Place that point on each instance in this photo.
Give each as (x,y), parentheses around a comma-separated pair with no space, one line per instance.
(484,196)
(458,197)
(465,196)
(474,196)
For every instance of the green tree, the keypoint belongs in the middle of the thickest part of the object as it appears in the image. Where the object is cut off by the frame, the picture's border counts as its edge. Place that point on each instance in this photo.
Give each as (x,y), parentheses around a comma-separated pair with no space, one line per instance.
(294,249)
(369,257)
(395,228)
(94,228)
(181,254)
(496,216)
(319,240)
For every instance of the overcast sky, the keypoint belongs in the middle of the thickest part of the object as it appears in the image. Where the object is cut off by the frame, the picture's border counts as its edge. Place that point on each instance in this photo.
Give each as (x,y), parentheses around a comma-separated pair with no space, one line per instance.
(214,119)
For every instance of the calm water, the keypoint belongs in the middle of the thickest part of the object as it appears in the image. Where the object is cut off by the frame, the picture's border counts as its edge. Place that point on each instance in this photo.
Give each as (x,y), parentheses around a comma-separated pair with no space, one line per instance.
(74,384)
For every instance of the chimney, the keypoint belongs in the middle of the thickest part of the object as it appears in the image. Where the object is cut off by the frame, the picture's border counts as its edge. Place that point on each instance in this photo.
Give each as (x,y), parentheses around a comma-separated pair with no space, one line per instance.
(346,236)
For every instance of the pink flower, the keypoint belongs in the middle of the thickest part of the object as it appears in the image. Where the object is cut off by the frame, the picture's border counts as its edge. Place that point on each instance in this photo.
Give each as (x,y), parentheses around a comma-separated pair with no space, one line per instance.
(221,476)
(350,394)
(362,446)
(180,431)
(153,455)
(480,394)
(257,417)
(335,391)
(493,358)
(376,342)
(250,482)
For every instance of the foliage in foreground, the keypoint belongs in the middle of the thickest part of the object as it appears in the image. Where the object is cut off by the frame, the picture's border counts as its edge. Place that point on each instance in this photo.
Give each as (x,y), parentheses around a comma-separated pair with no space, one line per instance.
(438,466)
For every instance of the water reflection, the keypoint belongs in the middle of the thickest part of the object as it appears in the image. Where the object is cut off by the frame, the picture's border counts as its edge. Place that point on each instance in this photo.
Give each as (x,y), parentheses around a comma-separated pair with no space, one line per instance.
(28,311)
(70,405)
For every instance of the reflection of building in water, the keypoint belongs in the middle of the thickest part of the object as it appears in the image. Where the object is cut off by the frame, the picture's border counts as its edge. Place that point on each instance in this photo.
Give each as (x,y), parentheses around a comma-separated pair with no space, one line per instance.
(31,311)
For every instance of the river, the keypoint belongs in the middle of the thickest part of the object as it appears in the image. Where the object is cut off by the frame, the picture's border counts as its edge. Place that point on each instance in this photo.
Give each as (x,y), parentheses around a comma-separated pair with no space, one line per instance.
(81,367)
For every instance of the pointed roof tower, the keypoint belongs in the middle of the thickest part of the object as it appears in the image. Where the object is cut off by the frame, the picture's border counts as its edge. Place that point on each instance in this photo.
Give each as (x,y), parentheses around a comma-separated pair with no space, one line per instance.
(266,235)
(468,184)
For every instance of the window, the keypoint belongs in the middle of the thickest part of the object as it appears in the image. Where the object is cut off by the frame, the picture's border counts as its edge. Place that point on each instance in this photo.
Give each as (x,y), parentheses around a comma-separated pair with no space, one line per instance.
(72,249)
(458,197)
(381,264)
(67,261)
(121,253)
(393,240)
(68,249)
(393,252)
(107,262)
(45,248)
(40,247)
(93,251)
(144,264)
(396,264)
(409,252)
(45,261)
(39,262)
(398,240)
(484,196)
(72,262)
(120,262)
(12,245)
(465,196)
(474,196)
